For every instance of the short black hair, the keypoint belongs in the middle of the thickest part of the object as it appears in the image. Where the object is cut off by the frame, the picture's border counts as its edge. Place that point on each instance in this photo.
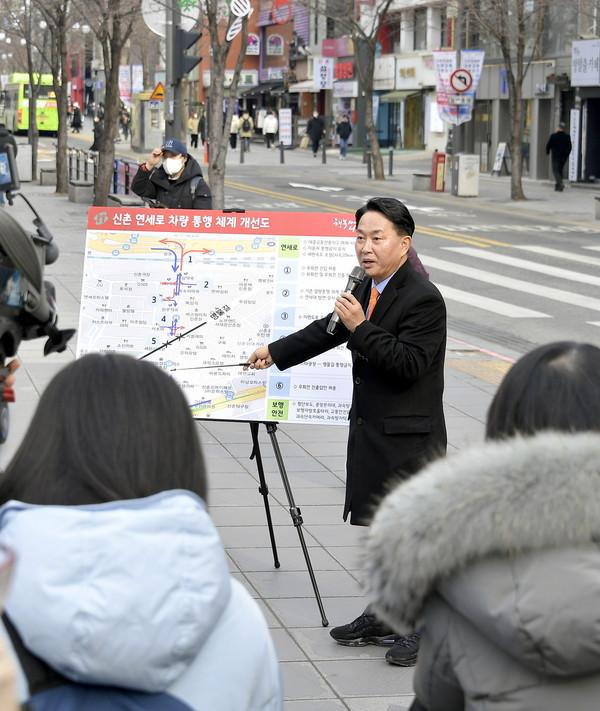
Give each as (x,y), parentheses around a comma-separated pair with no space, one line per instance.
(553,387)
(107,428)
(393,209)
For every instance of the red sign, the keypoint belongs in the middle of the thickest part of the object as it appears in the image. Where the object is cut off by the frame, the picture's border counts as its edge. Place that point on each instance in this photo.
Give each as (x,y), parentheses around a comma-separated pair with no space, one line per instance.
(344,70)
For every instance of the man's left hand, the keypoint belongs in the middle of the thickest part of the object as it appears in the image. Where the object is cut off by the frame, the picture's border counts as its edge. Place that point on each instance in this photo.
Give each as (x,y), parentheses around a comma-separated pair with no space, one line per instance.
(349,310)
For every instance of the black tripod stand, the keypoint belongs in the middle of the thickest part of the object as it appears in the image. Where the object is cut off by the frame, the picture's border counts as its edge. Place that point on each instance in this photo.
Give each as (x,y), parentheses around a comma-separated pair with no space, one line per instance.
(293,509)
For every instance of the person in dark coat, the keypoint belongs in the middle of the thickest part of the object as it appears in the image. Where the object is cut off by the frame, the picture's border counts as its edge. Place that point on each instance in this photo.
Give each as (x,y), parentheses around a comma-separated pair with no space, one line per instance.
(177,183)
(76,122)
(343,130)
(395,326)
(316,130)
(98,131)
(494,551)
(559,144)
(6,138)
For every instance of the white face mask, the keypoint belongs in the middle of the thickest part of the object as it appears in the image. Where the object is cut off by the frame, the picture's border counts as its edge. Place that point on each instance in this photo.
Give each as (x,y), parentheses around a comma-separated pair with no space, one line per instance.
(173,165)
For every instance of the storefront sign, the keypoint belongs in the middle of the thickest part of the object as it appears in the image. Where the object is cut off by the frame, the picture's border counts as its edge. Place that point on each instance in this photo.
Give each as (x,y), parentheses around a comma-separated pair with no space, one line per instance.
(253,47)
(585,63)
(247,78)
(344,70)
(281,11)
(274,46)
(345,89)
(323,68)
(408,73)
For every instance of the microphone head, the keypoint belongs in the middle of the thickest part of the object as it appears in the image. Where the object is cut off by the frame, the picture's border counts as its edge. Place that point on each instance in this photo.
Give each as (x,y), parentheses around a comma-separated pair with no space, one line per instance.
(358,274)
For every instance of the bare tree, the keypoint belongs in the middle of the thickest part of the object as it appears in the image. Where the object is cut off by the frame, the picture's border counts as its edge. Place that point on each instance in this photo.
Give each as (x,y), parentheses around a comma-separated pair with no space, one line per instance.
(515,27)
(361,22)
(25,26)
(111,21)
(220,29)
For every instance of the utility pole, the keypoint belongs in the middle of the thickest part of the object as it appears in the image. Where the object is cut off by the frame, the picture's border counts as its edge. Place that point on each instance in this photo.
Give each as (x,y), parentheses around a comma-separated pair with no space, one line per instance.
(178,65)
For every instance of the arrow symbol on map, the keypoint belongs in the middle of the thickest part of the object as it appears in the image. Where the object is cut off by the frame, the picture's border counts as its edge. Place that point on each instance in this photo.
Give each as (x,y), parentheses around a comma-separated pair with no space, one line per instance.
(166,249)
(321,188)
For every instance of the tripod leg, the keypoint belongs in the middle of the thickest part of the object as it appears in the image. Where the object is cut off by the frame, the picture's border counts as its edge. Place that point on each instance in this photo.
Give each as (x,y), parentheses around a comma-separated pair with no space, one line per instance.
(263,488)
(296,516)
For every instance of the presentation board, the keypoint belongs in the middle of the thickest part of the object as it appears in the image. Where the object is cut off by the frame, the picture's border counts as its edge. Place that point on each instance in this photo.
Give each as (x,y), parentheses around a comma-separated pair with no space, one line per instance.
(214,286)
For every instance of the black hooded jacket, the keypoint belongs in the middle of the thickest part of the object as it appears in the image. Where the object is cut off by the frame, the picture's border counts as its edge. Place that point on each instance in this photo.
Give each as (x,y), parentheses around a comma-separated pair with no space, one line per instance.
(7,137)
(184,193)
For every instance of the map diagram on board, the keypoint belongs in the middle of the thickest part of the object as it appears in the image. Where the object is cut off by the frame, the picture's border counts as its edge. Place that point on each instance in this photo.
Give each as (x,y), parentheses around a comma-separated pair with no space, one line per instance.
(215,286)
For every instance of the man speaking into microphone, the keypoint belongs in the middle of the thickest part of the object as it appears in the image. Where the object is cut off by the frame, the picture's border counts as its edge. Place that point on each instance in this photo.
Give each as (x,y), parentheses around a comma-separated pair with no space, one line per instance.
(395,325)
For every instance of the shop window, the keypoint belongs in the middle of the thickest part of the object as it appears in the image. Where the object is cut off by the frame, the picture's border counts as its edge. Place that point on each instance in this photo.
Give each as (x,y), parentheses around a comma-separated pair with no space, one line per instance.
(420,32)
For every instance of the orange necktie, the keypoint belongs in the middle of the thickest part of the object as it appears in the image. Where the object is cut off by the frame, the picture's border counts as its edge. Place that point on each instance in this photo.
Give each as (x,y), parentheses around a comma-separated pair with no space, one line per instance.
(372,301)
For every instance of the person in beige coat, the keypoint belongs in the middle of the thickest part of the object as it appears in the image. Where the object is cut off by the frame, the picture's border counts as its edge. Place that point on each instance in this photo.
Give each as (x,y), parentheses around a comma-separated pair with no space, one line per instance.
(246,129)
(233,131)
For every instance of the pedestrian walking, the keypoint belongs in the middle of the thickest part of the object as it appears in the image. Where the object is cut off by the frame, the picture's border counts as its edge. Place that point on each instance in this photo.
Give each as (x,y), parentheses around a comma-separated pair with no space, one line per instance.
(233,131)
(343,130)
(193,128)
(98,131)
(559,144)
(76,122)
(494,551)
(270,127)
(246,129)
(316,130)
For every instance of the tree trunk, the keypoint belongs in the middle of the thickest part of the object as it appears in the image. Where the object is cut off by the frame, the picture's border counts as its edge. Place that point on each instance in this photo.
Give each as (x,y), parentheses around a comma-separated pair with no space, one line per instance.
(106,153)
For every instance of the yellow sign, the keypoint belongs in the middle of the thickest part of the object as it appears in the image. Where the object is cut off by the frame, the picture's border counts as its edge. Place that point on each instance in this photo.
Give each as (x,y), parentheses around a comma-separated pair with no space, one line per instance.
(159,92)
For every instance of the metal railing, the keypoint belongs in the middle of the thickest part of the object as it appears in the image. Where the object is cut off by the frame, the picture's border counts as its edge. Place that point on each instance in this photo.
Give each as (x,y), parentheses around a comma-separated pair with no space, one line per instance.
(83,165)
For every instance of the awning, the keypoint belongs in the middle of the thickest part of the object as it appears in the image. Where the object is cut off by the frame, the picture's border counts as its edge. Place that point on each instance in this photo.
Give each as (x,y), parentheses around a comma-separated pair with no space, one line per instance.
(302,86)
(393,97)
(265,88)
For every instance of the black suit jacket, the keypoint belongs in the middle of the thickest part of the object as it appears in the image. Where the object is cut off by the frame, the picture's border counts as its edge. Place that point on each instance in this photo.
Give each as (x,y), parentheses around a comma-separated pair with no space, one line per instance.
(396,418)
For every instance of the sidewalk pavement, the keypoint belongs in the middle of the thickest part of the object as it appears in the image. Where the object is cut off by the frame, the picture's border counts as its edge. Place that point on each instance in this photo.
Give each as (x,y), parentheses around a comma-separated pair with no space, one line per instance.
(318,674)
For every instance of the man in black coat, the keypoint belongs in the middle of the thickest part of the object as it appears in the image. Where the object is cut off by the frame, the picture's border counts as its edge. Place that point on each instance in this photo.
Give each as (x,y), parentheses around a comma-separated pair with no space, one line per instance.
(316,130)
(560,145)
(177,183)
(5,138)
(395,326)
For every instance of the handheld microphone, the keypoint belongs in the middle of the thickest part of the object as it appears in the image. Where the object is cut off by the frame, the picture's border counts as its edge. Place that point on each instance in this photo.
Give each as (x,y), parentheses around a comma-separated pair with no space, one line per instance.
(354,279)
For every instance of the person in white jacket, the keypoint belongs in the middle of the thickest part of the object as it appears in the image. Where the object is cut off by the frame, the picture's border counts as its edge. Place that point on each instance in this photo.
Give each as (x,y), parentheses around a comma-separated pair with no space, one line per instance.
(121,596)
(270,127)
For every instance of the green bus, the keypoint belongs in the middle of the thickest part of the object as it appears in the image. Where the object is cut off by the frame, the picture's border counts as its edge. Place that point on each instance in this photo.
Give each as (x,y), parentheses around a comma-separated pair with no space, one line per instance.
(16,104)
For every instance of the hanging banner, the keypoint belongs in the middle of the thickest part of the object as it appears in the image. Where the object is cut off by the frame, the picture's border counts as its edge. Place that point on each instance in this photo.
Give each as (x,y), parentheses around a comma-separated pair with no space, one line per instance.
(125,84)
(137,78)
(323,68)
(456,85)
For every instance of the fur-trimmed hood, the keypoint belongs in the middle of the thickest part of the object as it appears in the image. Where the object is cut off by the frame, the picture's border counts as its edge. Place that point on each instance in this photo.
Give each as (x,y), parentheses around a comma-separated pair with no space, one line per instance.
(474,527)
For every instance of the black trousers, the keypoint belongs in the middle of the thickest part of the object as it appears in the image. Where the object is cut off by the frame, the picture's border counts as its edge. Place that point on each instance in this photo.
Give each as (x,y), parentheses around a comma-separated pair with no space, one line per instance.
(194,140)
(558,164)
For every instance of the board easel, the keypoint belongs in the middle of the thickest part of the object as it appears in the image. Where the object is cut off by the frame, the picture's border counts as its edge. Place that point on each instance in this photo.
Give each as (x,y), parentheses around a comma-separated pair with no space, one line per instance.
(294,510)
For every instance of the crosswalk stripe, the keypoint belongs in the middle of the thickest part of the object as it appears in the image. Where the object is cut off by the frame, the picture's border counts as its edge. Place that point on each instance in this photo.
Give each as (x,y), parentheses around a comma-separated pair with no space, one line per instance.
(548,269)
(547,292)
(595,249)
(500,308)
(561,254)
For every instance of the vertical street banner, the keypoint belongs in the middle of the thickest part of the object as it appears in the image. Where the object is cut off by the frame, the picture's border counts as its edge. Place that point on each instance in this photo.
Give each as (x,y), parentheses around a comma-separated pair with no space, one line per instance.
(456,85)
(125,84)
(196,293)
(285,127)
(323,73)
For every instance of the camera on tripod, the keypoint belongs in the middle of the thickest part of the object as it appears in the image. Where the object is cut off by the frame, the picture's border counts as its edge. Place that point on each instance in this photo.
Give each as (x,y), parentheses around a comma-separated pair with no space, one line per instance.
(27,302)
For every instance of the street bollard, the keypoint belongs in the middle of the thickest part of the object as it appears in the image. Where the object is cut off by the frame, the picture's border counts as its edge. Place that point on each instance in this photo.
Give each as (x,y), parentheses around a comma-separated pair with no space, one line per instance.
(364,154)
(391,168)
(281,154)
(369,169)
(241,151)
(324,153)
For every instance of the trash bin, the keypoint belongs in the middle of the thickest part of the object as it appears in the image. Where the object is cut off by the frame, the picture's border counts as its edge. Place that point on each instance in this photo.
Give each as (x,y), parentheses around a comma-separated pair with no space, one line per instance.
(465,175)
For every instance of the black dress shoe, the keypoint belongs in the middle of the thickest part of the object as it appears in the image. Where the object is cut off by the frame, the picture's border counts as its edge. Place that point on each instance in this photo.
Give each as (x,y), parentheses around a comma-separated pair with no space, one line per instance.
(405,650)
(366,629)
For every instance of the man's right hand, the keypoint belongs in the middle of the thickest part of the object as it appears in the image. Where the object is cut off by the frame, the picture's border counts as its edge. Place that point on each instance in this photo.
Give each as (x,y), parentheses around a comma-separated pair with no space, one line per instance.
(260,359)
(154,159)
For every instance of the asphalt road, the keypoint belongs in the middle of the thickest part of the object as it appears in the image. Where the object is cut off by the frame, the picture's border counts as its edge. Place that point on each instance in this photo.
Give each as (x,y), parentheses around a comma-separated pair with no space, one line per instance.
(512,280)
